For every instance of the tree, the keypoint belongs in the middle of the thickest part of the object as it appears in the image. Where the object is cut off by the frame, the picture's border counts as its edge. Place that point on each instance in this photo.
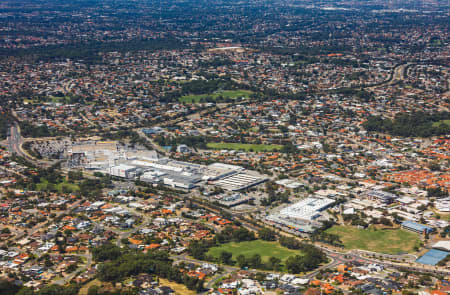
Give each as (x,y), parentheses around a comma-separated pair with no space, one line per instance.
(385,221)
(311,259)
(436,192)
(289,242)
(294,264)
(225,257)
(48,262)
(25,291)
(255,261)
(434,166)
(237,235)
(106,252)
(59,290)
(75,175)
(72,268)
(8,288)
(274,263)
(198,248)
(241,261)
(410,124)
(6,230)
(266,234)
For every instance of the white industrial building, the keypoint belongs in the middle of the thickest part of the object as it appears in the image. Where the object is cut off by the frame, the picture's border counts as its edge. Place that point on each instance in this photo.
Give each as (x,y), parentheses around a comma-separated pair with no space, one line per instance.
(307,209)
(239,181)
(302,216)
(122,170)
(121,161)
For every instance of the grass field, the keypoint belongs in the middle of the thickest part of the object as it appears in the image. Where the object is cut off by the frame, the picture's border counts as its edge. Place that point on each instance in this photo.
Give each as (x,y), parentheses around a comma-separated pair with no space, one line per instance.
(98,283)
(436,124)
(383,241)
(233,94)
(43,185)
(263,248)
(53,99)
(178,288)
(244,146)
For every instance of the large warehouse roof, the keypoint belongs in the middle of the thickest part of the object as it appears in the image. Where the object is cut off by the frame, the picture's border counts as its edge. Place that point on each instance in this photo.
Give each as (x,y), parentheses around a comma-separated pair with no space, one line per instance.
(433,257)
(416,226)
(307,209)
(442,245)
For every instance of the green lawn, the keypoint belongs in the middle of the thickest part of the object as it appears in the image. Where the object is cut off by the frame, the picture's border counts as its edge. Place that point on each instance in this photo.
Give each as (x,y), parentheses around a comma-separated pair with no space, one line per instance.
(436,124)
(244,146)
(263,248)
(233,94)
(42,186)
(53,99)
(383,241)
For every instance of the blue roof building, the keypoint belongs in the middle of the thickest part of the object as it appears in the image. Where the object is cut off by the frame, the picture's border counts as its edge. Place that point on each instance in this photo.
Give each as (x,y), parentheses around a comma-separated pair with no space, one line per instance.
(416,227)
(433,257)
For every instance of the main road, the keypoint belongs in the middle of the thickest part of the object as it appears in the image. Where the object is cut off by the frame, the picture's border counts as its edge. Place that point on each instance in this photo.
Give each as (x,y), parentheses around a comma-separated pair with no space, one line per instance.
(15,140)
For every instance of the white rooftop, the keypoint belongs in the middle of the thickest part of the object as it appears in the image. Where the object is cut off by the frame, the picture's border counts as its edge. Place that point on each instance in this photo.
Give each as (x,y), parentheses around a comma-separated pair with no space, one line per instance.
(307,209)
(444,245)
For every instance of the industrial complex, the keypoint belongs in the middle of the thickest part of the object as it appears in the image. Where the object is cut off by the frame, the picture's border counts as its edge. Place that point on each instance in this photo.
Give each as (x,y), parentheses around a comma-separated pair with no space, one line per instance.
(122,161)
(302,216)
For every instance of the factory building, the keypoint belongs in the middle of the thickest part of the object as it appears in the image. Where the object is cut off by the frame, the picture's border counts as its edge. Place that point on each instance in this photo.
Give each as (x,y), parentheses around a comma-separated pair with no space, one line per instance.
(121,161)
(307,209)
(302,216)
(122,170)
(239,181)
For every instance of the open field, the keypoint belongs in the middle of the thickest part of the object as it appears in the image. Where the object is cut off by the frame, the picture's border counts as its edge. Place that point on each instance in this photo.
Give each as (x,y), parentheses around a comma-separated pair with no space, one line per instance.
(263,248)
(244,146)
(60,187)
(103,286)
(391,241)
(436,124)
(232,94)
(54,99)
(178,288)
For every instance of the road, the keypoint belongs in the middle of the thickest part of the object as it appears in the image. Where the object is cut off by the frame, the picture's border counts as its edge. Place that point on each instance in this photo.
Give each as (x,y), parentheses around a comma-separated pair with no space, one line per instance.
(154,145)
(38,226)
(229,269)
(82,268)
(336,257)
(12,171)
(14,145)
(397,75)
(15,141)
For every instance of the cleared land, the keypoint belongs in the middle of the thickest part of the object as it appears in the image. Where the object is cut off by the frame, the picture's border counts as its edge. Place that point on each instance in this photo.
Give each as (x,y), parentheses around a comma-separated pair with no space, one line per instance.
(178,288)
(391,241)
(244,146)
(231,94)
(263,248)
(102,285)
